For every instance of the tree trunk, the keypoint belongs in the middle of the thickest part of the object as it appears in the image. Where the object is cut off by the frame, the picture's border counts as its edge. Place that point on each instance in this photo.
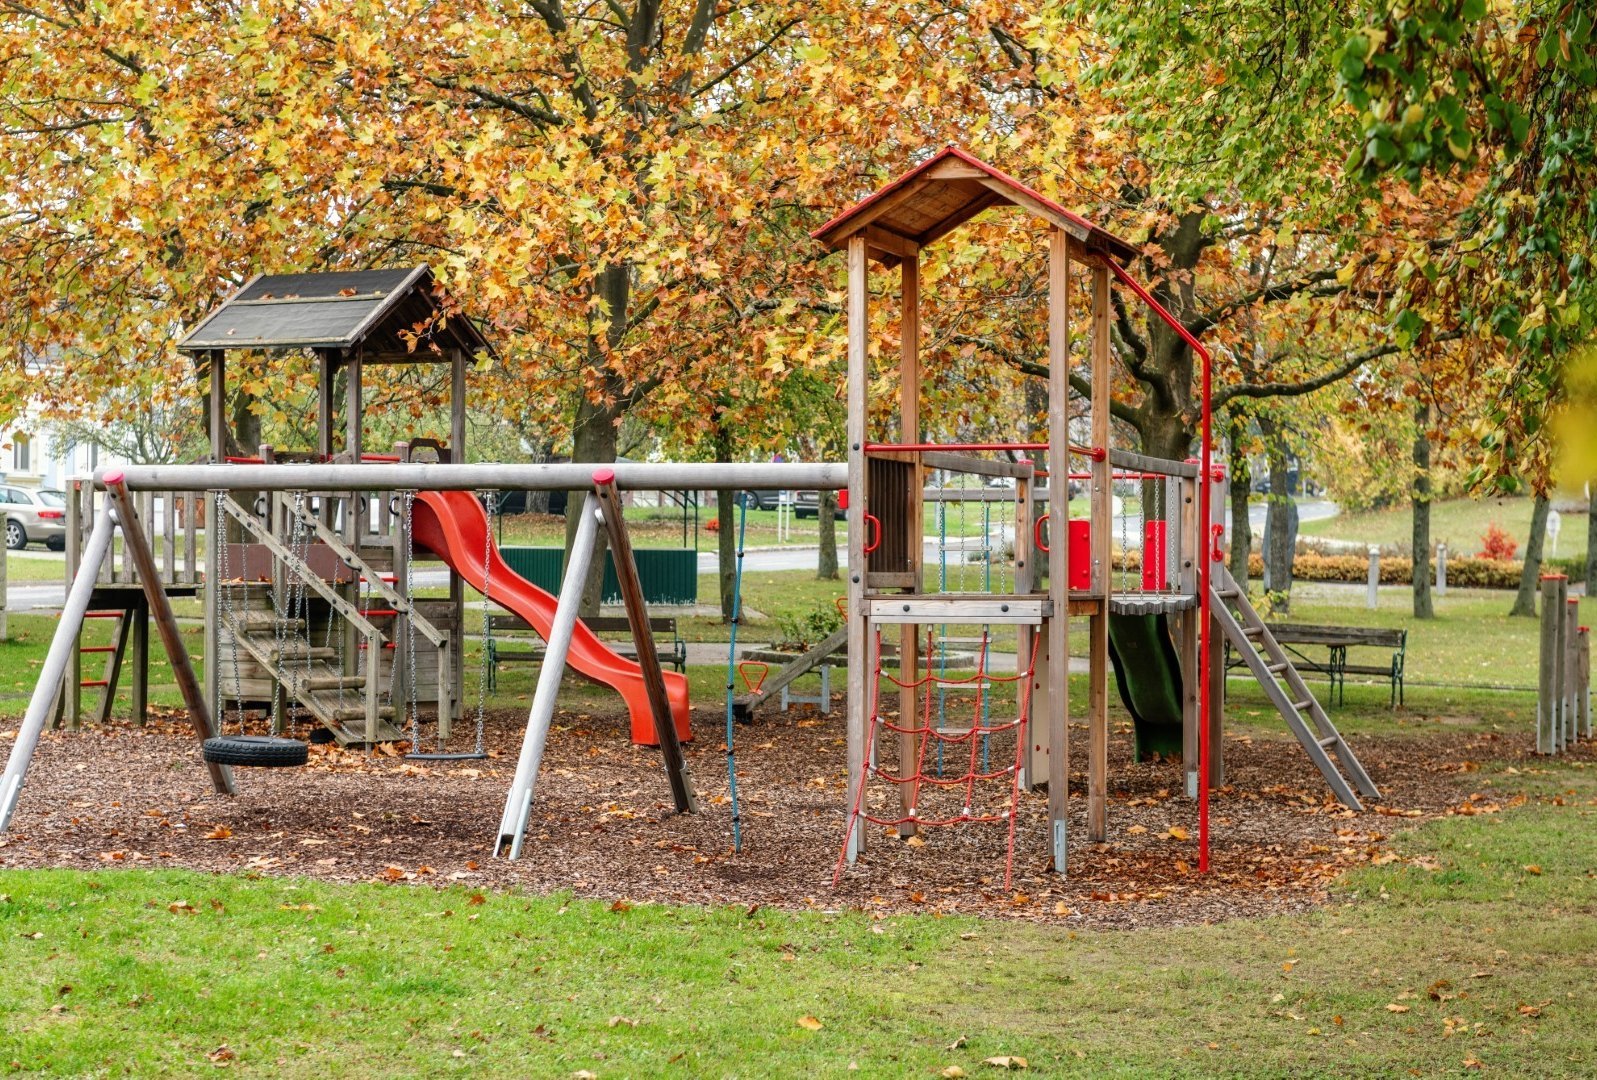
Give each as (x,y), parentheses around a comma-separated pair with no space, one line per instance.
(726,518)
(1530,574)
(1420,500)
(592,442)
(726,515)
(826,563)
(1280,522)
(597,423)
(1239,483)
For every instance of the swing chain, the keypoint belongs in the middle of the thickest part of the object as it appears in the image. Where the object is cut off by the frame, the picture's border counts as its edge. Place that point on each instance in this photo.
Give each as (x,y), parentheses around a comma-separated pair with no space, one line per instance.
(413,698)
(224,595)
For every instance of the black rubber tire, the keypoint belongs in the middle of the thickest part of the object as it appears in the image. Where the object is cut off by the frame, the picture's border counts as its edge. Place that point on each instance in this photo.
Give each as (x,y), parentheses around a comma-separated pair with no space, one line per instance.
(255,751)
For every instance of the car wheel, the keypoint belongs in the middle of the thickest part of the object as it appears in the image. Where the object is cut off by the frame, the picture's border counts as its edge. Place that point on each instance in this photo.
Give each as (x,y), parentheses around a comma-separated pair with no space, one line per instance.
(57,544)
(16,536)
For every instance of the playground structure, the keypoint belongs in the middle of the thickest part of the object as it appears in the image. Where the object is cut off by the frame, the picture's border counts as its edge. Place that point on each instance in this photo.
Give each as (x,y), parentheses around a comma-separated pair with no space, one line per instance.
(324,544)
(1563,685)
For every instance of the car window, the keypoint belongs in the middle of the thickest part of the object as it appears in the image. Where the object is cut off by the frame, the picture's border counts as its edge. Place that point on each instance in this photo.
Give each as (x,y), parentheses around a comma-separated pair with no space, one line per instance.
(11,495)
(52,498)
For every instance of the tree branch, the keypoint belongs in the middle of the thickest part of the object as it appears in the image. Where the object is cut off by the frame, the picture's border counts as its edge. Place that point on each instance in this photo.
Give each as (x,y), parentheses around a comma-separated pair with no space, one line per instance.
(1340,371)
(1278,291)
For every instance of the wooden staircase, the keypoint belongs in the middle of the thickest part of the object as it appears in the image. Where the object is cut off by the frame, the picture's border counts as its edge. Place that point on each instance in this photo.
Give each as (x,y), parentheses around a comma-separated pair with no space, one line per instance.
(312,678)
(1268,661)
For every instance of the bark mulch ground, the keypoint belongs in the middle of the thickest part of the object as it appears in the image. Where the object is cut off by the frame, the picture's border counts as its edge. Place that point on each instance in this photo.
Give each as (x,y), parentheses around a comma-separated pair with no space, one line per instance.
(602,824)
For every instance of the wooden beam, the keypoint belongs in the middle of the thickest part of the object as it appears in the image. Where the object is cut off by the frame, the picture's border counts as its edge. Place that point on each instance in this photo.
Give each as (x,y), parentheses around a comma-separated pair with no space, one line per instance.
(909,373)
(1102,512)
(648,659)
(1008,193)
(1057,627)
(854,227)
(891,242)
(177,654)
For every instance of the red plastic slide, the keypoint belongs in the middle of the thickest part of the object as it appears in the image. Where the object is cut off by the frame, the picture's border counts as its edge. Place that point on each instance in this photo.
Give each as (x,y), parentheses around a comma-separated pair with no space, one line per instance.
(454,526)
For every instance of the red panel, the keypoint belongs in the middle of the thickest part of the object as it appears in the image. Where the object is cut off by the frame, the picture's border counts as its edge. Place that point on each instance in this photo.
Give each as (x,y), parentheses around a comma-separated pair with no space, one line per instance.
(1155,574)
(1080,555)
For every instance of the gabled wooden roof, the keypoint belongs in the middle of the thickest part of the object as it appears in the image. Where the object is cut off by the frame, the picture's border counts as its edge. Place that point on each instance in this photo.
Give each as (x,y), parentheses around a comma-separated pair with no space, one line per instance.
(944,192)
(372,309)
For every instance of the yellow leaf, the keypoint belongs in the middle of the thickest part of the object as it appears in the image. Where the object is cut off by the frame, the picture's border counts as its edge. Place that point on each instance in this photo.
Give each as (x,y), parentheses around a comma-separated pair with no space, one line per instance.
(1137,830)
(1007,1061)
(1533,869)
(953,1072)
(809,1023)
(1394,1007)
(1177,833)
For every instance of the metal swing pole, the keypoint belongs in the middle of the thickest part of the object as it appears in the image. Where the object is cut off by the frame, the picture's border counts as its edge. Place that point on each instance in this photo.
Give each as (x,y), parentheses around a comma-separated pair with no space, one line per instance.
(55,666)
(518,805)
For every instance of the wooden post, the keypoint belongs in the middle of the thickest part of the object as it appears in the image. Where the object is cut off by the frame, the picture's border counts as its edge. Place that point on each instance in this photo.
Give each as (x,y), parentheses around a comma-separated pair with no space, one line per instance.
(1547,672)
(1103,505)
(1569,733)
(1190,532)
(216,525)
(909,748)
(861,669)
(138,549)
(665,729)
(139,680)
(1057,627)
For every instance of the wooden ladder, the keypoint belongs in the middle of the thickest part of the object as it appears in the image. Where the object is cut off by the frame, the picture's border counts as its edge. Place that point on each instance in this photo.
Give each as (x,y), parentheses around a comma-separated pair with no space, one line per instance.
(114,653)
(1293,699)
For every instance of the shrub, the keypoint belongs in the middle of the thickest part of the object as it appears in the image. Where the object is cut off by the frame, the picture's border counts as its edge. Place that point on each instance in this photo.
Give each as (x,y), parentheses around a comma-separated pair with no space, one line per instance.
(1497,545)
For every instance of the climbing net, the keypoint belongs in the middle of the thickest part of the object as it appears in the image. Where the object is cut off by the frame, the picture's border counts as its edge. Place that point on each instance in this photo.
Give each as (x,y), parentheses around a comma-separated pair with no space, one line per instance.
(938,797)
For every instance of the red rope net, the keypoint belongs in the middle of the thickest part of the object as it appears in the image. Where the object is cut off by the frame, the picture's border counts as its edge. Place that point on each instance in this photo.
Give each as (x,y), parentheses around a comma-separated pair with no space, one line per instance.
(973,738)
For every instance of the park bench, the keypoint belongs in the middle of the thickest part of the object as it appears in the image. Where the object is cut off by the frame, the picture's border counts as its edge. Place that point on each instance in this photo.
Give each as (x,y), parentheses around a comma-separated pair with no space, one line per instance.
(668,643)
(1337,640)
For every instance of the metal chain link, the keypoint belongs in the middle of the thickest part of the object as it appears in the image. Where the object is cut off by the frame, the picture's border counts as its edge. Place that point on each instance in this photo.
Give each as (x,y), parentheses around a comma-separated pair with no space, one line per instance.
(224,595)
(412,693)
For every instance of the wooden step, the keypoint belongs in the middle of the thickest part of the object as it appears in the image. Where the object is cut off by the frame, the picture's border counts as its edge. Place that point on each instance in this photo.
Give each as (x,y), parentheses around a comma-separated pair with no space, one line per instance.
(333,682)
(291,654)
(1276,669)
(1253,631)
(1303,706)
(357,712)
(1329,741)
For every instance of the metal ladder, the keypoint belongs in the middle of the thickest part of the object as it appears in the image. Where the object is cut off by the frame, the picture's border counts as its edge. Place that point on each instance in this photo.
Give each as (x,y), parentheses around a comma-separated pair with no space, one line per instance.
(1270,665)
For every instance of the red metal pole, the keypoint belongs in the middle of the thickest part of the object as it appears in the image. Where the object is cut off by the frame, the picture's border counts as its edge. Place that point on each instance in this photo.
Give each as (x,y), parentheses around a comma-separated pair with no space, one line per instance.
(1205,483)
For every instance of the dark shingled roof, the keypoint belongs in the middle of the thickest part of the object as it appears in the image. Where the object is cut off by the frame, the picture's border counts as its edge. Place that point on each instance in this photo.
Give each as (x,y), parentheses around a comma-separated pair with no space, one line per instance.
(338,310)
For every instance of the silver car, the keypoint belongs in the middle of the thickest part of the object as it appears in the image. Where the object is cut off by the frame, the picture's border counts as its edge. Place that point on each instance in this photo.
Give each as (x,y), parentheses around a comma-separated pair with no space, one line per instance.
(34,515)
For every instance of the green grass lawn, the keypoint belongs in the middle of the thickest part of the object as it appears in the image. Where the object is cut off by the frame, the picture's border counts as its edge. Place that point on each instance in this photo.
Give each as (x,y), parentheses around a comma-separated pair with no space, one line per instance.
(1468,951)
(1460,523)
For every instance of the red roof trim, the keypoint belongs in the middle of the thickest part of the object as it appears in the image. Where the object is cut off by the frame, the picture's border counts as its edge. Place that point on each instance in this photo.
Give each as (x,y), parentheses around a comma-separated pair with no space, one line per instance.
(1102,237)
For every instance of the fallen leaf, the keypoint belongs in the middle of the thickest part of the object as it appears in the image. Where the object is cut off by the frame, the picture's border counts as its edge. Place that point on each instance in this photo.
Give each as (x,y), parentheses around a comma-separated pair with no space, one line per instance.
(1394,1007)
(915,841)
(1006,1061)
(809,1023)
(1176,832)
(1137,830)
(1533,869)
(617,1021)
(221,1055)
(953,1072)
(620,905)
(221,832)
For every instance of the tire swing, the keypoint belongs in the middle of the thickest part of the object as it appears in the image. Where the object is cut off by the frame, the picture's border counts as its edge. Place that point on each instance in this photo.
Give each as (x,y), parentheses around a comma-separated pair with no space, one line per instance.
(247,751)
(438,753)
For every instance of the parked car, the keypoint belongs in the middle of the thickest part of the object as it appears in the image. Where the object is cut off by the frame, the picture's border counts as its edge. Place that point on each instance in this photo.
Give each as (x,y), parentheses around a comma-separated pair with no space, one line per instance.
(34,516)
(760,500)
(807,504)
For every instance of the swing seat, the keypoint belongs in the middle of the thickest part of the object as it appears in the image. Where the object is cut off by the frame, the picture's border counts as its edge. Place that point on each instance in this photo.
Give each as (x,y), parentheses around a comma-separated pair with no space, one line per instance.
(255,751)
(464,755)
